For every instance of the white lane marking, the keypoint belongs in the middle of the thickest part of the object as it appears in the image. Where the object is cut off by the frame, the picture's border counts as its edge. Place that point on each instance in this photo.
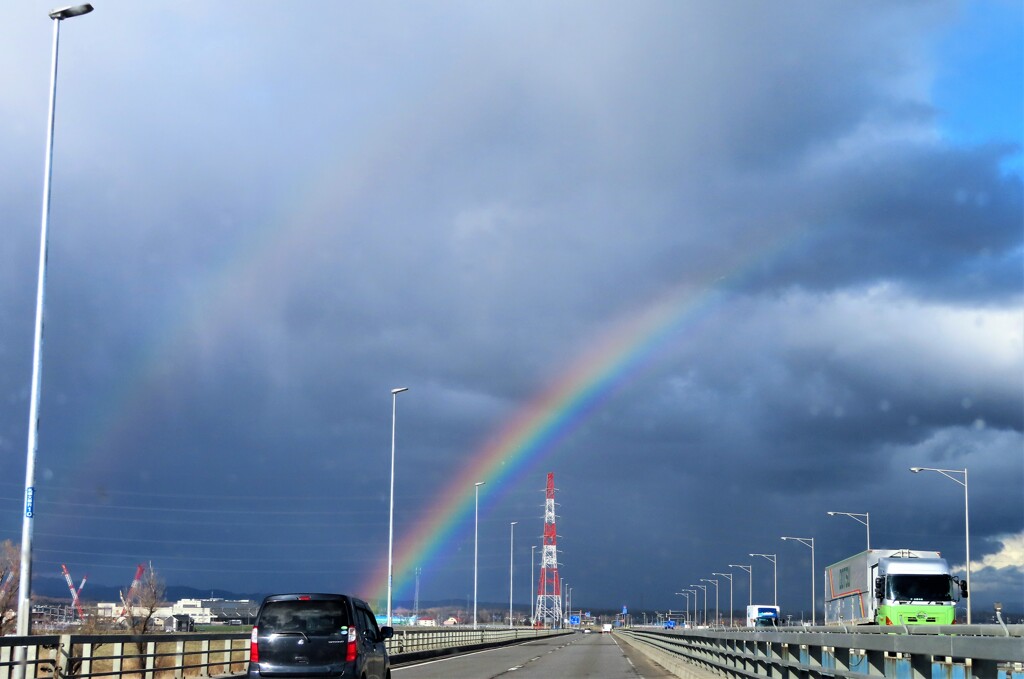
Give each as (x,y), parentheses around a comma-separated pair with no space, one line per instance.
(627,659)
(455,657)
(437,660)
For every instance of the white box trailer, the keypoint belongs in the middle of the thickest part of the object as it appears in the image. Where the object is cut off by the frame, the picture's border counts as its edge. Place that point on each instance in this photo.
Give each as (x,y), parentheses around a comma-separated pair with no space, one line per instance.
(891,587)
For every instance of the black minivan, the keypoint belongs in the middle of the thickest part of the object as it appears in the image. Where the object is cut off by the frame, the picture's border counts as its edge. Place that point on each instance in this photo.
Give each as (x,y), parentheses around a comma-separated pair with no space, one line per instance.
(317,635)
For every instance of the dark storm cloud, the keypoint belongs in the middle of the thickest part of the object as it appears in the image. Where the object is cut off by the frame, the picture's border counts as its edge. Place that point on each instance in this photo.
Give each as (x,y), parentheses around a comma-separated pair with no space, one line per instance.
(263,222)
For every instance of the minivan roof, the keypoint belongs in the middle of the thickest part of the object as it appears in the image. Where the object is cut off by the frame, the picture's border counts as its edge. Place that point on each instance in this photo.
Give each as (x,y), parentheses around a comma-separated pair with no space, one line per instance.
(318,596)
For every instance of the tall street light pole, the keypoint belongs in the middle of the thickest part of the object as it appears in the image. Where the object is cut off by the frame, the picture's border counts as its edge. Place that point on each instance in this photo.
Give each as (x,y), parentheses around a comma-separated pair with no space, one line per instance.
(750,578)
(718,618)
(533,600)
(511,551)
(728,575)
(705,588)
(863,519)
(775,574)
(476,542)
(809,542)
(967,518)
(23,625)
(391,513)
(569,606)
(687,595)
(694,592)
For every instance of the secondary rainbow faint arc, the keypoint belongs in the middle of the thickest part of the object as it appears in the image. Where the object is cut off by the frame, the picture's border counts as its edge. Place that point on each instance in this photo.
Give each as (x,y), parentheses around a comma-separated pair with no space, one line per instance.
(544,420)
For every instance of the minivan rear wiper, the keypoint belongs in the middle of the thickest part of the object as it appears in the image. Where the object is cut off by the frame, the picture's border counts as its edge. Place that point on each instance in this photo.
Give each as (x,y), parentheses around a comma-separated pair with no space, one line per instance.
(300,633)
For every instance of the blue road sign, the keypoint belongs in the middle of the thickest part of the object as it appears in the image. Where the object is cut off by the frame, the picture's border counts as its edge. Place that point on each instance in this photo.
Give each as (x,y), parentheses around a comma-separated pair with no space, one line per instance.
(574,619)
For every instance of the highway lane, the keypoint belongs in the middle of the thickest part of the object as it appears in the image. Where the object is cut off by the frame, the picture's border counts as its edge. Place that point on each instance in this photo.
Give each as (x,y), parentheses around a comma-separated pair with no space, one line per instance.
(576,656)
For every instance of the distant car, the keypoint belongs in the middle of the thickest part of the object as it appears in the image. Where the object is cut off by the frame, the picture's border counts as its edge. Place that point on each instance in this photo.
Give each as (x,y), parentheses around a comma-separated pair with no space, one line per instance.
(606,627)
(588,631)
(317,635)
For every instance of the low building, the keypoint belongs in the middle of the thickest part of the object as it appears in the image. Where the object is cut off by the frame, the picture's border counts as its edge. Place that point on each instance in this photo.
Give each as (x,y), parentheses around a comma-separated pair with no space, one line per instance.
(179,623)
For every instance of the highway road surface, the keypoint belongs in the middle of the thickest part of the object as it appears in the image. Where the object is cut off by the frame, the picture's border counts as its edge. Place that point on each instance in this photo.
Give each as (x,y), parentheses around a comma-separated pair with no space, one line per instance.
(575,656)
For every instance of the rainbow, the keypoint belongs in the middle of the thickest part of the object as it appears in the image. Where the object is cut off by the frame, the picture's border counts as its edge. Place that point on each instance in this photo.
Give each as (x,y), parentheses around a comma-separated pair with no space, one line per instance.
(538,426)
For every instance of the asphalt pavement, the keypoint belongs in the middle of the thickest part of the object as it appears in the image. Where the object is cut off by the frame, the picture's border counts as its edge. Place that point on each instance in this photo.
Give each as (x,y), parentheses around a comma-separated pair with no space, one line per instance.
(576,656)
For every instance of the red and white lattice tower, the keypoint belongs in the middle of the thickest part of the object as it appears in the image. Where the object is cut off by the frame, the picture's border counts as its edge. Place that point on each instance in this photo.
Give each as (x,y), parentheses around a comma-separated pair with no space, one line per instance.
(549,588)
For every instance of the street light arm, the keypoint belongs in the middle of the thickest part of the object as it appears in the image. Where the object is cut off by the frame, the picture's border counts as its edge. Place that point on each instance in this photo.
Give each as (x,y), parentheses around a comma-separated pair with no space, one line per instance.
(70,12)
(944,472)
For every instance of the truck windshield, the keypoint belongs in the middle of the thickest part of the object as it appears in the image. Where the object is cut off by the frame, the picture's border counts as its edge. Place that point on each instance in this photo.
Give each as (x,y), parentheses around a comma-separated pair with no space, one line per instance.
(920,588)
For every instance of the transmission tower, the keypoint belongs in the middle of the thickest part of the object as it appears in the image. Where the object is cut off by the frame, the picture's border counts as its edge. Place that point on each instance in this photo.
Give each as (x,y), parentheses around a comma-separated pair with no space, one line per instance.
(549,588)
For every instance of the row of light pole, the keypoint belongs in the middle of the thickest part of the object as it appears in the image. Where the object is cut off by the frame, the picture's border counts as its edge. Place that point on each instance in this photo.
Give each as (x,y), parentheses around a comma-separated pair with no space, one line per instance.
(476,530)
(476,536)
(865,520)
(25,577)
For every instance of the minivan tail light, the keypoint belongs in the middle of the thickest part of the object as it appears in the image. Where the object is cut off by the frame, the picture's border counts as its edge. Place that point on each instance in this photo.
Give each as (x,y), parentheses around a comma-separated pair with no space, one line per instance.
(254,649)
(350,649)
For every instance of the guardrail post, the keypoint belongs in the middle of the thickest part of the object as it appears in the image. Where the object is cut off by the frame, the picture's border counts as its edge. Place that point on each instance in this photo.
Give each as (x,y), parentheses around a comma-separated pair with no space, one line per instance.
(150,659)
(204,658)
(815,658)
(875,663)
(85,669)
(179,659)
(117,662)
(31,658)
(62,660)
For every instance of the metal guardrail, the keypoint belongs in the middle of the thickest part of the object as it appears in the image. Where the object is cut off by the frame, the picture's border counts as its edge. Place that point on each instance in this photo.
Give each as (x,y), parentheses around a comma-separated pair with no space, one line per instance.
(125,655)
(177,656)
(903,652)
(412,641)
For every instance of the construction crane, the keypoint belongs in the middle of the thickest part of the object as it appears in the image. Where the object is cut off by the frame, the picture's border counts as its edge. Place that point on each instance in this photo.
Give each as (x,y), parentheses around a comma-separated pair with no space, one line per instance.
(131,590)
(74,592)
(7,582)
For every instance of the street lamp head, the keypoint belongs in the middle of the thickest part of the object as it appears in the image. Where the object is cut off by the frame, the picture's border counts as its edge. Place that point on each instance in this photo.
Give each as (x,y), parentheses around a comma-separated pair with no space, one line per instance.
(831,513)
(480,483)
(915,469)
(70,12)
(399,390)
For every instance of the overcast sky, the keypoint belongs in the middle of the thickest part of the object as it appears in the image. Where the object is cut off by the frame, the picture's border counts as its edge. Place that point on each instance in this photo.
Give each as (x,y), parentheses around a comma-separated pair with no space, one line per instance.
(772,254)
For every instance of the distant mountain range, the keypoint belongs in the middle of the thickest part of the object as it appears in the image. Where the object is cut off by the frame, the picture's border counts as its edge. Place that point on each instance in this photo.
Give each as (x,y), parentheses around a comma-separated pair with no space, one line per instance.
(57,588)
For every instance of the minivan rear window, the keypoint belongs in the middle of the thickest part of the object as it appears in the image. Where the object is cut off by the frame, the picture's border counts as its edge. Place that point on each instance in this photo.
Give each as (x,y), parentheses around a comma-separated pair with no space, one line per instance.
(309,617)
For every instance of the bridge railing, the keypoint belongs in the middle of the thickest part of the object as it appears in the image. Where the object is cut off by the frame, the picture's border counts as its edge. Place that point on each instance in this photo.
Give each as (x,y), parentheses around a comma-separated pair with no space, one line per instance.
(412,641)
(912,652)
(182,655)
